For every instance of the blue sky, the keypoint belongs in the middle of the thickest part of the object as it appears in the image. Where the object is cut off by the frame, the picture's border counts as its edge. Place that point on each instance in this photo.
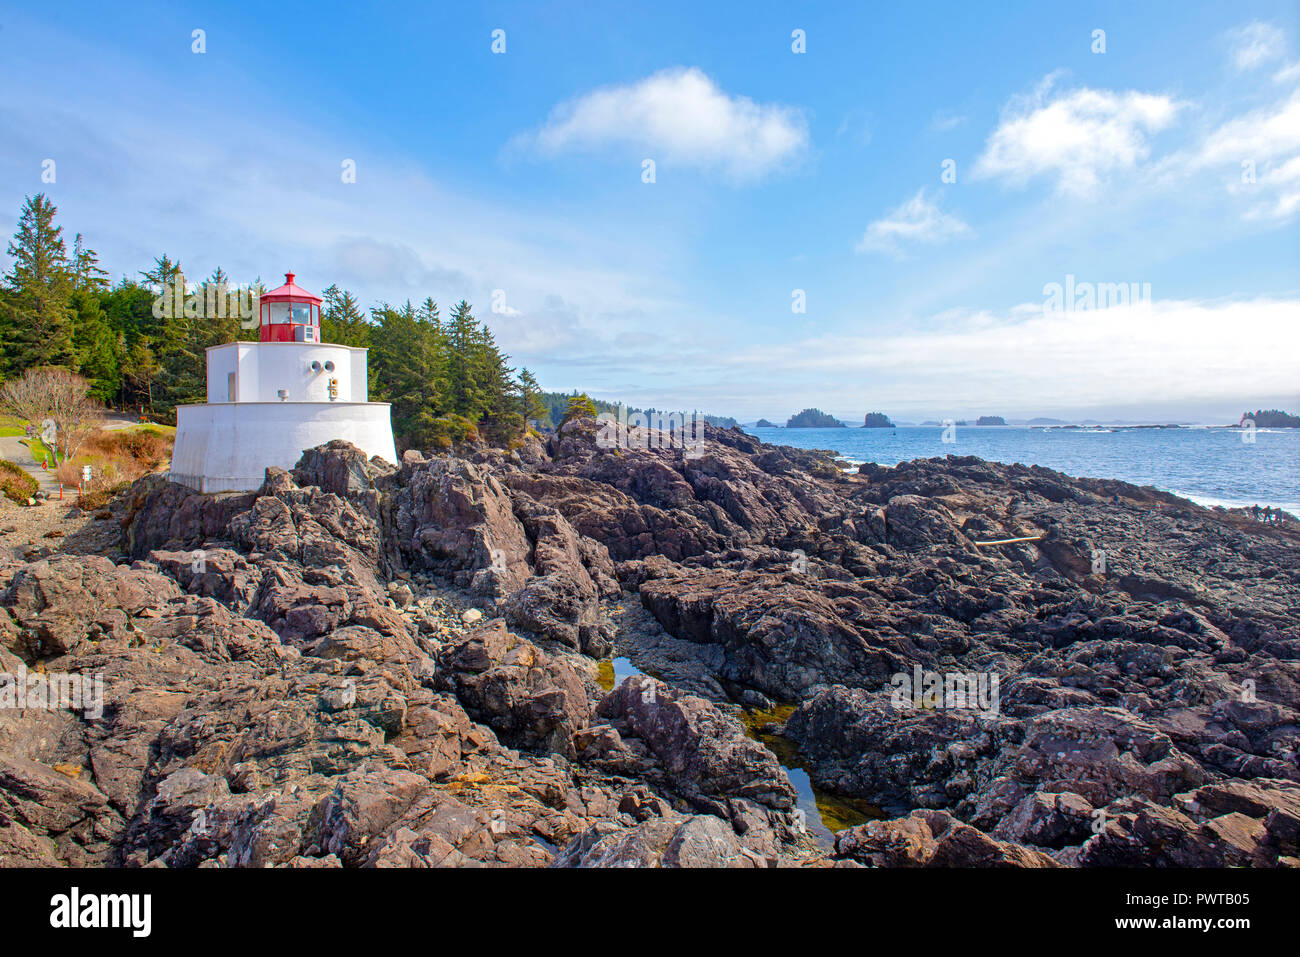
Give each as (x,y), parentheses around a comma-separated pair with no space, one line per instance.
(775,172)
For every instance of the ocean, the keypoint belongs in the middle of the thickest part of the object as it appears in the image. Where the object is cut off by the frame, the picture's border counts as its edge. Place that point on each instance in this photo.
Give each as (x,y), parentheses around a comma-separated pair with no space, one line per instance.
(1210,466)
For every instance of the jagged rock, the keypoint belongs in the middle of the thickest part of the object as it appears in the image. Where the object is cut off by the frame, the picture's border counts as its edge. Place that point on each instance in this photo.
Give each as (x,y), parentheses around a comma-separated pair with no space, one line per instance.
(272,698)
(364,802)
(704,754)
(1050,820)
(530,698)
(698,841)
(932,839)
(59,815)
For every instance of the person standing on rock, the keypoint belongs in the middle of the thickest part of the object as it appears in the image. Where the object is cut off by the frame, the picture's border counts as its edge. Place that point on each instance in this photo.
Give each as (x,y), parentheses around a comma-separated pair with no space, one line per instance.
(1268,515)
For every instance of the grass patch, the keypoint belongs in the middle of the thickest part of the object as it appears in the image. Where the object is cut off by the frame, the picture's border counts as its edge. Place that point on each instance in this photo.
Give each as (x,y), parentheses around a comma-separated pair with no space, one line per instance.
(155,427)
(39,450)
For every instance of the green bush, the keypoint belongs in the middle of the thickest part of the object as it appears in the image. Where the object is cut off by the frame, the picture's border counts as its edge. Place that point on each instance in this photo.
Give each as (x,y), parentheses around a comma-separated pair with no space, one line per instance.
(15,484)
(580,406)
(457,428)
(443,432)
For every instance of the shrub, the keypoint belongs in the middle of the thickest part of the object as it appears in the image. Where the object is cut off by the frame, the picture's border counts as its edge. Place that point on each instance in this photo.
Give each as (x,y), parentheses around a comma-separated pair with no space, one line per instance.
(144,447)
(15,484)
(500,430)
(95,499)
(68,473)
(449,430)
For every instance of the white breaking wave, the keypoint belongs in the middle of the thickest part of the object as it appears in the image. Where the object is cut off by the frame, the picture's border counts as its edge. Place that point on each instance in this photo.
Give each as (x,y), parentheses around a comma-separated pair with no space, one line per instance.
(1208,501)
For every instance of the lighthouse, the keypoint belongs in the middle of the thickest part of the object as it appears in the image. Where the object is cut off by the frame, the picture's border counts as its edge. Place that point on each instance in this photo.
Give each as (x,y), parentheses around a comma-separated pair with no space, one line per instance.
(271,400)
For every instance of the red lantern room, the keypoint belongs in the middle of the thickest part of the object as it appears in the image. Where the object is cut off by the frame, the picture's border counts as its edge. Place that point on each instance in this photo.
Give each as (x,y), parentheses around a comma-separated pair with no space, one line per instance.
(290,314)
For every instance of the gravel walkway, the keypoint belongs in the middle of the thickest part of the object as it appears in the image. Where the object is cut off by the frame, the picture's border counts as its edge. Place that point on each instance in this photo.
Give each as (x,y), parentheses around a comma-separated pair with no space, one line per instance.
(13,448)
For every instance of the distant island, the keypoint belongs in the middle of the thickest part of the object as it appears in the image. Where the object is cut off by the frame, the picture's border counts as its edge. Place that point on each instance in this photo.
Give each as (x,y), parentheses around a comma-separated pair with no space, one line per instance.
(813,419)
(764,424)
(552,406)
(990,420)
(877,420)
(1272,419)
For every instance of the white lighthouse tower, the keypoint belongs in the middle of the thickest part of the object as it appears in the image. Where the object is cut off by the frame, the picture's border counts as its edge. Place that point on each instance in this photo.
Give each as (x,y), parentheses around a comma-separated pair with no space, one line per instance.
(271,400)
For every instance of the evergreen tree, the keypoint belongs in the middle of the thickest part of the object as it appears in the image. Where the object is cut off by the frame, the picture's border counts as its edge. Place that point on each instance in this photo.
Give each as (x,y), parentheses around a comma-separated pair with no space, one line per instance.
(463,369)
(498,413)
(182,350)
(139,372)
(86,274)
(406,358)
(161,281)
(163,272)
(580,407)
(342,320)
(531,405)
(37,301)
(220,323)
(95,346)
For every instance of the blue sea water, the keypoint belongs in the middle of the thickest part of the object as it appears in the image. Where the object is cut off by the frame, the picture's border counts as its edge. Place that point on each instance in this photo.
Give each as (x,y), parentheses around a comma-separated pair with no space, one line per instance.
(1210,466)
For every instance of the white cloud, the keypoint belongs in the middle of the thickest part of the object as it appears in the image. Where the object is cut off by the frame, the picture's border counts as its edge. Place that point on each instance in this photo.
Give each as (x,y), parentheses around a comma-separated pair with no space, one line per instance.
(943,121)
(1265,143)
(857,123)
(281,207)
(1288,73)
(1254,44)
(1079,137)
(916,221)
(1258,136)
(1283,183)
(678,116)
(1022,360)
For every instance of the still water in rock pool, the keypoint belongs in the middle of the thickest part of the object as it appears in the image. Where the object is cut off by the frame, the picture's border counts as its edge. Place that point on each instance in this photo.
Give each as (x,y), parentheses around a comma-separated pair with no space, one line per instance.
(612,672)
(824,814)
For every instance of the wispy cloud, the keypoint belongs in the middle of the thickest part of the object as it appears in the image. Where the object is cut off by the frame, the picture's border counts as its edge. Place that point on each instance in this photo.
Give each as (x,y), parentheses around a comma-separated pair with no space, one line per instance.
(1259,135)
(678,116)
(1281,188)
(857,124)
(943,121)
(1259,154)
(919,220)
(1255,44)
(1078,137)
(1288,74)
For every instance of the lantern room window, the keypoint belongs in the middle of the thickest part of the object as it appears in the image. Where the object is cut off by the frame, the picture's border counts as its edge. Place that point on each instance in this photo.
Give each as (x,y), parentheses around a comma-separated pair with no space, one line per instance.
(290,314)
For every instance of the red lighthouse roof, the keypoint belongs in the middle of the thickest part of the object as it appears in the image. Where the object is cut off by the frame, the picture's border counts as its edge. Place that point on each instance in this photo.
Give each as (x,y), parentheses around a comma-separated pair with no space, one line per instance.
(289,291)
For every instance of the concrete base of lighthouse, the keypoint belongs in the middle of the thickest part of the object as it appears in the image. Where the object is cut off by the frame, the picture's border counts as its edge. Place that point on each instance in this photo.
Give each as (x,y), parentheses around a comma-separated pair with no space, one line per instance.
(227,446)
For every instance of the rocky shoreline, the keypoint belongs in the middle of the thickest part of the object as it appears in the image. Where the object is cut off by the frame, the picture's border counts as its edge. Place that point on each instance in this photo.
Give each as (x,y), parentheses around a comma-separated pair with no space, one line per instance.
(367,664)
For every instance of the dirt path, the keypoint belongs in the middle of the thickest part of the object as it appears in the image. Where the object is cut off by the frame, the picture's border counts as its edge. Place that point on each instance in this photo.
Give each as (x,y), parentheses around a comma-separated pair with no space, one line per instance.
(112,421)
(15,450)
(54,525)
